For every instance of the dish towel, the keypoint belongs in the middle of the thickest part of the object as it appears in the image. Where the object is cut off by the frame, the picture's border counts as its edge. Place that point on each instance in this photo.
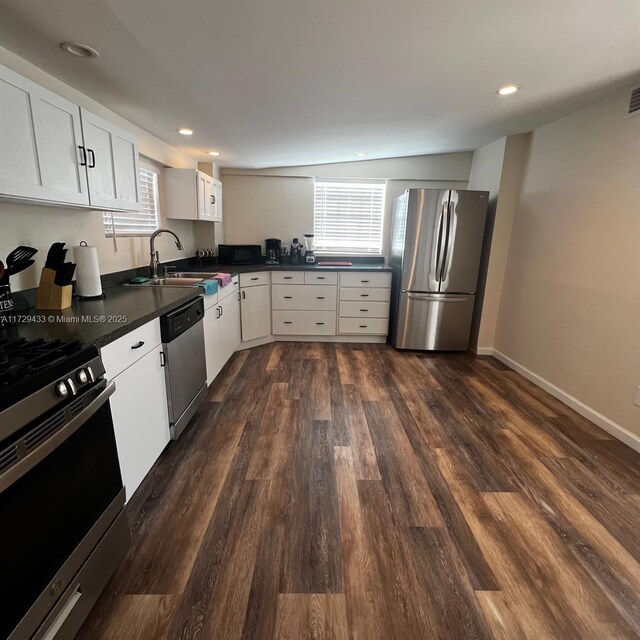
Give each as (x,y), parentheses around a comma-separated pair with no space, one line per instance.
(210,287)
(223,279)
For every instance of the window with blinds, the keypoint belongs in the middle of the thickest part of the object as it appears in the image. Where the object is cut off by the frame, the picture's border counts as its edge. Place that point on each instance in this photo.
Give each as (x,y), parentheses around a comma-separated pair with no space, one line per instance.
(347,216)
(137,223)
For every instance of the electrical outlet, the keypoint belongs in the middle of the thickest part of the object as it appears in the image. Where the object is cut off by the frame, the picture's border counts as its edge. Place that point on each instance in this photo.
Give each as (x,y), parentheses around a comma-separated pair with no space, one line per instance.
(637,400)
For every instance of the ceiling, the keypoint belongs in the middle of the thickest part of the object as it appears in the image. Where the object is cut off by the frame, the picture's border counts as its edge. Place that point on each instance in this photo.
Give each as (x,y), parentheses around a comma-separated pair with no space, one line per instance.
(286,82)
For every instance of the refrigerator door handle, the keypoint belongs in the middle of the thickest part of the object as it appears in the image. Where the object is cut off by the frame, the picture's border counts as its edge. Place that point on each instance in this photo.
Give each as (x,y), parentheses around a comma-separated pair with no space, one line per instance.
(438,297)
(439,248)
(445,251)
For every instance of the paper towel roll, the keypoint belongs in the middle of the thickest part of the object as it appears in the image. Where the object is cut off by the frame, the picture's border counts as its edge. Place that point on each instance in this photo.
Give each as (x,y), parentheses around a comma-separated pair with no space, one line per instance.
(87,271)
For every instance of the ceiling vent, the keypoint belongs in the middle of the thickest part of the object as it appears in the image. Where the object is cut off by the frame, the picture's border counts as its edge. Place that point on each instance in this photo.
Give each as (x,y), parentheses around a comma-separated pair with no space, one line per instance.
(634,103)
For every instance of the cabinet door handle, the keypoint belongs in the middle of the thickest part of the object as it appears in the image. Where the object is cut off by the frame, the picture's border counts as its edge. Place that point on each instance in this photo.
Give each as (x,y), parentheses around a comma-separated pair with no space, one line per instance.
(221,311)
(163,362)
(92,161)
(244,295)
(137,346)
(364,295)
(288,297)
(319,322)
(83,156)
(319,297)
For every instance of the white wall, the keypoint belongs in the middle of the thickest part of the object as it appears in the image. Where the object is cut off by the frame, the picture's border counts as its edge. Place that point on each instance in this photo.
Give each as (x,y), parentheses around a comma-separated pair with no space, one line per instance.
(39,226)
(570,307)
(265,203)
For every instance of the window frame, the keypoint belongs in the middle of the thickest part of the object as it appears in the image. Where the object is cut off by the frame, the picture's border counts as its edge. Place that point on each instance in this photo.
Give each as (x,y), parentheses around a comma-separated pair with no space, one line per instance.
(326,249)
(109,218)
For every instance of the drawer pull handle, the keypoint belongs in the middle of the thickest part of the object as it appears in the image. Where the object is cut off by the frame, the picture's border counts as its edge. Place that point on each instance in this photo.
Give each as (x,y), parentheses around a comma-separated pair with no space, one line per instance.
(364,281)
(288,278)
(319,322)
(364,310)
(364,295)
(137,346)
(363,326)
(288,297)
(288,322)
(255,278)
(320,277)
(320,297)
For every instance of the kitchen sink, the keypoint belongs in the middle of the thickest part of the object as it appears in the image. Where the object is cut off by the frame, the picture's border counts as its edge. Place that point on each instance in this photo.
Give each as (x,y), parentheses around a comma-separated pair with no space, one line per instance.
(190,274)
(173,281)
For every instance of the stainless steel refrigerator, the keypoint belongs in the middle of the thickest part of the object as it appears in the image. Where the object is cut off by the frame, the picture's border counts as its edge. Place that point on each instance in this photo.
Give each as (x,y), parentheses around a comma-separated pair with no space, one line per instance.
(435,248)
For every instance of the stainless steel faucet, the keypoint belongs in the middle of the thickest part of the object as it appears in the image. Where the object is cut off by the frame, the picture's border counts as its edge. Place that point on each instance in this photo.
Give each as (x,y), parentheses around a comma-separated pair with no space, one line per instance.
(155,256)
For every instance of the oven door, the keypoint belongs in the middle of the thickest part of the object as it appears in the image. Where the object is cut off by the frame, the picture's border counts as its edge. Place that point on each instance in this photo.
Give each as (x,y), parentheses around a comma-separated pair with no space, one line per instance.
(56,502)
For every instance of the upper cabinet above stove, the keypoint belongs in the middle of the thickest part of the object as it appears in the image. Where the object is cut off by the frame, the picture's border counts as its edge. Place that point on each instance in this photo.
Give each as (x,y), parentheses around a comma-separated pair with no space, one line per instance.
(53,152)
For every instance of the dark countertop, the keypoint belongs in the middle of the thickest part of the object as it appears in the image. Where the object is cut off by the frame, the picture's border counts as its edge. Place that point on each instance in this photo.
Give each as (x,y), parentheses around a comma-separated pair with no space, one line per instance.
(124,309)
(252,268)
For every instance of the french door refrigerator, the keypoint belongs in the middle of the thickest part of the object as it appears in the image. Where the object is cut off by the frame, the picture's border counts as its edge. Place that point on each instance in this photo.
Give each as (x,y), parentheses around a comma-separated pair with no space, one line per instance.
(436,242)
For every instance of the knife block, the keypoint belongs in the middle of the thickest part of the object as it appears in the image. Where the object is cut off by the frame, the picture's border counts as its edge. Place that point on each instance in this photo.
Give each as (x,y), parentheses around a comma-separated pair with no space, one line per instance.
(51,295)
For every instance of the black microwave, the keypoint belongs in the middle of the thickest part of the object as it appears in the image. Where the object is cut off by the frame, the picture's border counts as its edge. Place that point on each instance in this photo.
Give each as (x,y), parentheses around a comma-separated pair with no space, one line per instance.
(240,254)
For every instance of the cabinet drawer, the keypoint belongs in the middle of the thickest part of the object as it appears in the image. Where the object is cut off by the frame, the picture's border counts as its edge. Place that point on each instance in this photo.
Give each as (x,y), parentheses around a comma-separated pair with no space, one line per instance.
(123,352)
(223,292)
(287,277)
(365,279)
(253,279)
(304,297)
(304,323)
(372,294)
(372,326)
(364,309)
(311,277)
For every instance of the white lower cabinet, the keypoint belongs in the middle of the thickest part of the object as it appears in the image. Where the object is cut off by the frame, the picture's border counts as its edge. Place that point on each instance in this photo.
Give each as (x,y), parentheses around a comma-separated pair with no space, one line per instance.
(364,303)
(140,417)
(221,333)
(304,323)
(255,306)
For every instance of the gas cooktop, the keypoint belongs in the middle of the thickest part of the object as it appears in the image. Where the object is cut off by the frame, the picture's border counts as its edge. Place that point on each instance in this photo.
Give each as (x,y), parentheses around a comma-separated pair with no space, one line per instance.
(28,365)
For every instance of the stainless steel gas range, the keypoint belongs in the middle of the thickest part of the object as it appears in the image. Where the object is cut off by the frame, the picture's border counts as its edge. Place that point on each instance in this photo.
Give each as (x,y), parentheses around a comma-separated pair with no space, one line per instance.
(62,526)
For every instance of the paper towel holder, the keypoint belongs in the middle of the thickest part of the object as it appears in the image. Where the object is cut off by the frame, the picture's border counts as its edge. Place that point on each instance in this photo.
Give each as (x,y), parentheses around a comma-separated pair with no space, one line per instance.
(83,243)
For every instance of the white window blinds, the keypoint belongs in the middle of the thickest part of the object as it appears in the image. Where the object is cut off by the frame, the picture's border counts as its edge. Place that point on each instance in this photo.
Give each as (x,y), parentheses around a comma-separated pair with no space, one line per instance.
(138,223)
(347,216)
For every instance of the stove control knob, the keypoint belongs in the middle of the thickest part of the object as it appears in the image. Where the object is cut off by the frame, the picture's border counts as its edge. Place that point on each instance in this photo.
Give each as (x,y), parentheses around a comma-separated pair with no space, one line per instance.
(82,376)
(61,389)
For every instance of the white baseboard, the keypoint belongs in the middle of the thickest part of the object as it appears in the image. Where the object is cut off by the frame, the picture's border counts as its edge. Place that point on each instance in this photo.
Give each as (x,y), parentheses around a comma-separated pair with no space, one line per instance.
(616,430)
(342,338)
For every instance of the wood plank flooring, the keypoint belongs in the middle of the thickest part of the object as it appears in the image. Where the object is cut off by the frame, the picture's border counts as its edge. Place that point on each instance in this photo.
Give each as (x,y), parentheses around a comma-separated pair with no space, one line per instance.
(334,491)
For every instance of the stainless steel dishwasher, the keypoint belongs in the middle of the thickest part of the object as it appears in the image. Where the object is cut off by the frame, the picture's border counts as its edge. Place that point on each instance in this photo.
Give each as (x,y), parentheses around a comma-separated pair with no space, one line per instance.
(185,367)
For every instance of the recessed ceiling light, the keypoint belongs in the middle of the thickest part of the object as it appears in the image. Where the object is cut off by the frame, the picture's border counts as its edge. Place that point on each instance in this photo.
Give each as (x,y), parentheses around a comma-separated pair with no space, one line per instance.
(80,50)
(185,132)
(361,155)
(214,153)
(508,89)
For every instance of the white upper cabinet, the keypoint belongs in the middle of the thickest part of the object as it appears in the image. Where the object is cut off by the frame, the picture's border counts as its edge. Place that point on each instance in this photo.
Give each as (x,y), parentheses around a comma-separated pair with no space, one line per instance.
(53,152)
(112,164)
(192,195)
(41,149)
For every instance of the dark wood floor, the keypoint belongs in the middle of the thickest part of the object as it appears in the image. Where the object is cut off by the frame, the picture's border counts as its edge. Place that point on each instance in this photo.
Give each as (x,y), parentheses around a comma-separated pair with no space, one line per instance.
(352,491)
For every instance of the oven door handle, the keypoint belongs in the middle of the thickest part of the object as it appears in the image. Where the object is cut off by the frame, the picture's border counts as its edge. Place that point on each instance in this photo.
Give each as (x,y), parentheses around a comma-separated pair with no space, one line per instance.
(37,455)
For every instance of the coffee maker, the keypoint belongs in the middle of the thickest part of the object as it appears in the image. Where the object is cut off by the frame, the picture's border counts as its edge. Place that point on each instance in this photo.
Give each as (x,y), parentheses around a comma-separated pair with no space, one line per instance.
(273,248)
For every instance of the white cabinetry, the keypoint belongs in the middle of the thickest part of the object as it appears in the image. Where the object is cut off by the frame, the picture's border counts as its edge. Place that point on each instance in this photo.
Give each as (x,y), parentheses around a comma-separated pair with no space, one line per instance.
(364,303)
(255,305)
(221,328)
(139,404)
(53,152)
(41,156)
(112,164)
(192,195)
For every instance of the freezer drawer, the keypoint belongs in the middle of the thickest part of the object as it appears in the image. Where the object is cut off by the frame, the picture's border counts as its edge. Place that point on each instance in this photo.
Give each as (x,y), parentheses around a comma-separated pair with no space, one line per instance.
(433,321)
